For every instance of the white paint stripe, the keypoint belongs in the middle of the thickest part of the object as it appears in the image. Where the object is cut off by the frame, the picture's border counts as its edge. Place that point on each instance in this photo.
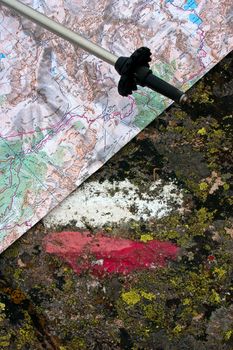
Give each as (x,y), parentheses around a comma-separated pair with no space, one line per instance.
(99,204)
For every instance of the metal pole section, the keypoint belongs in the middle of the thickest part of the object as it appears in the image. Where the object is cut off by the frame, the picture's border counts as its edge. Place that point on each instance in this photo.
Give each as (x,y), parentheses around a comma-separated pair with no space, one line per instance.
(60,30)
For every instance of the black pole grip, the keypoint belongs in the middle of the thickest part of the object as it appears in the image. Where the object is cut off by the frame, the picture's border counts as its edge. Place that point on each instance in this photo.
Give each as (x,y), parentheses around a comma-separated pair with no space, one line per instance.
(145,77)
(135,70)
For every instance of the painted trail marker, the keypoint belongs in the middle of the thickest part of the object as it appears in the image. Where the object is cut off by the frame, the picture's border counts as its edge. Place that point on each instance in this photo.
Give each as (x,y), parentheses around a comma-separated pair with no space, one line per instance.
(102,255)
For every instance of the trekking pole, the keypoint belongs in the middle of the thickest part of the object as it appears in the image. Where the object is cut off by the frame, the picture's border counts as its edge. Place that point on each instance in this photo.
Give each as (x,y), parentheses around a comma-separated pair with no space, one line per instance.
(134,70)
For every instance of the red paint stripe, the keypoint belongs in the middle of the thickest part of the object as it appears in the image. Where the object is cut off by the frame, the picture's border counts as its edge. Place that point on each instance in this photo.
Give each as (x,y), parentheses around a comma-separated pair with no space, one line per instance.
(105,255)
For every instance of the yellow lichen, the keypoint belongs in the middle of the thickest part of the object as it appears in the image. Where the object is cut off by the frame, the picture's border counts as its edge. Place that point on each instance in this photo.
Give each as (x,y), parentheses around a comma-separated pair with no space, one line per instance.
(26,334)
(131,298)
(2,313)
(228,334)
(226,187)
(202,94)
(146,237)
(134,296)
(187,301)
(149,311)
(17,274)
(202,132)
(219,272)
(5,341)
(203,186)
(214,297)
(180,114)
(148,296)
(178,329)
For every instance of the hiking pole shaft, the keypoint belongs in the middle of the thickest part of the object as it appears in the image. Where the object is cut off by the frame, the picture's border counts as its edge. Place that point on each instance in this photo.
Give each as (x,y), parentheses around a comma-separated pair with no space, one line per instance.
(132,72)
(60,30)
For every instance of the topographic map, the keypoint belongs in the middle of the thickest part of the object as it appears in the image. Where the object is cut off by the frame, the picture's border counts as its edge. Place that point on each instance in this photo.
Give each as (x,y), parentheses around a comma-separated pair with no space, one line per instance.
(61,116)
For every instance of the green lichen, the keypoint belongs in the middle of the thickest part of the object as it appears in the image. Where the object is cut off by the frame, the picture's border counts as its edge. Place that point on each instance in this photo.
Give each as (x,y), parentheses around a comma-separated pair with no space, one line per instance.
(179,114)
(26,334)
(177,329)
(202,94)
(219,272)
(5,341)
(203,191)
(214,297)
(77,343)
(215,140)
(2,311)
(146,295)
(17,275)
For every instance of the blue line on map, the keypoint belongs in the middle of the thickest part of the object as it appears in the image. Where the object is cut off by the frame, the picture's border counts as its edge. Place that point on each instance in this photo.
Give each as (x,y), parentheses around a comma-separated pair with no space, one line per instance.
(190,5)
(195,19)
(2,55)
